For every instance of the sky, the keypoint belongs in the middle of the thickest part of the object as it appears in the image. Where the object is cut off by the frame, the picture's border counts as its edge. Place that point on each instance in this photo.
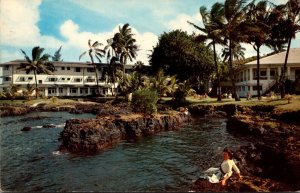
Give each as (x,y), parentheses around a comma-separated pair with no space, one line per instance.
(50,24)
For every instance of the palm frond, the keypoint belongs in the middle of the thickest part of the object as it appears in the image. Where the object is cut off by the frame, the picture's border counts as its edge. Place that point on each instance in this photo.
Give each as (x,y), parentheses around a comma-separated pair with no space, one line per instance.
(26,57)
(82,55)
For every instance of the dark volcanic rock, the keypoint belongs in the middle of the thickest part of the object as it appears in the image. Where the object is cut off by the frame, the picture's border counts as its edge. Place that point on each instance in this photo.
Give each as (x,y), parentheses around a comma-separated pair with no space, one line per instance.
(90,135)
(275,154)
(26,129)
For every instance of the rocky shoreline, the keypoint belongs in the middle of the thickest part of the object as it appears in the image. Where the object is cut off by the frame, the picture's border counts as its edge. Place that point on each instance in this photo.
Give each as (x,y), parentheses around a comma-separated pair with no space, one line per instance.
(94,135)
(272,161)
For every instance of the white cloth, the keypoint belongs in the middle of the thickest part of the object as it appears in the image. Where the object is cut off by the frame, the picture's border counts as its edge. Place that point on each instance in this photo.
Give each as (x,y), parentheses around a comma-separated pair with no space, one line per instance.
(214,175)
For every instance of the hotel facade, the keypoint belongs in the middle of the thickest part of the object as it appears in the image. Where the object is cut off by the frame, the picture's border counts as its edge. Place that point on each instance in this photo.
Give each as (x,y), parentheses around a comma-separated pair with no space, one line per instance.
(68,79)
(270,70)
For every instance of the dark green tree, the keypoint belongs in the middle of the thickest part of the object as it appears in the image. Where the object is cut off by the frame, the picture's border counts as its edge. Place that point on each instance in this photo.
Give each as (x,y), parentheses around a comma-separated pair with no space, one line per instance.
(177,53)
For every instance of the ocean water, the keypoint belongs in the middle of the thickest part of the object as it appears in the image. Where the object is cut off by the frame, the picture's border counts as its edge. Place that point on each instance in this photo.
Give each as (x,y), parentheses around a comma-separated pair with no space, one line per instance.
(167,161)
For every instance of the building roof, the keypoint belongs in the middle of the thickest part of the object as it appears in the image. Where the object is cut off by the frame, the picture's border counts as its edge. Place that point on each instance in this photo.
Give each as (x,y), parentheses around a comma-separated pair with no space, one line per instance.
(294,58)
(62,64)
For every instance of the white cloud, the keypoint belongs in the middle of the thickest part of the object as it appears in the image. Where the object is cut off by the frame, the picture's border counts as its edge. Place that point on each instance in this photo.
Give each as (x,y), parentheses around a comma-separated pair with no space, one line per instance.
(180,22)
(18,22)
(76,39)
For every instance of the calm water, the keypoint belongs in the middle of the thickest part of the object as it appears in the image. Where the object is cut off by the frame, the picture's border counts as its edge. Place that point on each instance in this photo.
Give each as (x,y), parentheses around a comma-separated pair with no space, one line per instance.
(168,161)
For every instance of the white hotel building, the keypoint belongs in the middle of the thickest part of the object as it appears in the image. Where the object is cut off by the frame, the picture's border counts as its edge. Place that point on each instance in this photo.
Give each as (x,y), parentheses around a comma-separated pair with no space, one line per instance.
(68,79)
(270,68)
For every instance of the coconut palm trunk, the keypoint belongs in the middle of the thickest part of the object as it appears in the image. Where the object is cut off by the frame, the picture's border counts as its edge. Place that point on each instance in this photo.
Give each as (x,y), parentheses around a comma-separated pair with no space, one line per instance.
(36,85)
(217,71)
(257,73)
(283,77)
(236,96)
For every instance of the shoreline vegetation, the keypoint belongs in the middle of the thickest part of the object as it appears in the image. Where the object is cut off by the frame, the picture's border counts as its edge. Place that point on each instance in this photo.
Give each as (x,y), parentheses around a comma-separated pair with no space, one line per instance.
(270,163)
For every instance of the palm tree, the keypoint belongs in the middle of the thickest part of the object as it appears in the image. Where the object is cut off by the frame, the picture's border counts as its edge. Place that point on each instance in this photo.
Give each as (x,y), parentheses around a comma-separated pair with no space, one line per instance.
(57,55)
(163,84)
(235,15)
(38,64)
(94,51)
(257,30)
(276,41)
(125,45)
(213,22)
(290,27)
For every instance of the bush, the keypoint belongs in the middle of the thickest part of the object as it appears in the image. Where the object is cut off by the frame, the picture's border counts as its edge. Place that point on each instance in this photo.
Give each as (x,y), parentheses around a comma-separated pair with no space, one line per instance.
(145,101)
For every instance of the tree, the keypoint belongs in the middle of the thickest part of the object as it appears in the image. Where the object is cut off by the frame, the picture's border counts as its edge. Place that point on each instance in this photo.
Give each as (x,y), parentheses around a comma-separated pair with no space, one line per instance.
(290,27)
(257,31)
(124,45)
(163,84)
(213,22)
(235,15)
(94,51)
(57,55)
(177,53)
(38,64)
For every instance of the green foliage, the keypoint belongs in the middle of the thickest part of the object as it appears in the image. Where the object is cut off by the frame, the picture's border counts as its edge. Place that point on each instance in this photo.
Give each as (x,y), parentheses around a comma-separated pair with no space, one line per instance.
(181,92)
(145,101)
(57,55)
(179,54)
(163,84)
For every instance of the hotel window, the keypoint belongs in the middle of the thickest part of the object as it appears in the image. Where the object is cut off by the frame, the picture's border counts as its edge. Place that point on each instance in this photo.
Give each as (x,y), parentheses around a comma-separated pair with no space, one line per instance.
(62,68)
(77,80)
(61,90)
(52,79)
(30,78)
(68,68)
(272,72)
(73,90)
(90,70)
(22,79)
(68,79)
(263,73)
(40,81)
(297,74)
(7,79)
(51,90)
(90,79)
(77,69)
(83,91)
(6,67)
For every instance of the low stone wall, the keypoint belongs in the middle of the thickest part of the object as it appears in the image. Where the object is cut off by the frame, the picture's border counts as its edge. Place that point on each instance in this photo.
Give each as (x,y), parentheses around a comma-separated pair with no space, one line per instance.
(92,135)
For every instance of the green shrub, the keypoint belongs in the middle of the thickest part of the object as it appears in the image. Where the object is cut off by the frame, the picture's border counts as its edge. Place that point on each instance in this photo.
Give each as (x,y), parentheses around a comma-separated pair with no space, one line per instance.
(145,101)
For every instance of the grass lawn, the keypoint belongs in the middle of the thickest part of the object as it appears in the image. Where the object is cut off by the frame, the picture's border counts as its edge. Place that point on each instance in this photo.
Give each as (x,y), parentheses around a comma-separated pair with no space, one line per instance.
(280,104)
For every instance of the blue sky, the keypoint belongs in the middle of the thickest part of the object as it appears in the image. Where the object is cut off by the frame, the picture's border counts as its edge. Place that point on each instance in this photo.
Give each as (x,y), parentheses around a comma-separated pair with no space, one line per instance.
(70,23)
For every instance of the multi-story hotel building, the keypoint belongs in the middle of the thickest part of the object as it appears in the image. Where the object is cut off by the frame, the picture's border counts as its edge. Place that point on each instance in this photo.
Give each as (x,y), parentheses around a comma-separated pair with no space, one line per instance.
(270,69)
(68,79)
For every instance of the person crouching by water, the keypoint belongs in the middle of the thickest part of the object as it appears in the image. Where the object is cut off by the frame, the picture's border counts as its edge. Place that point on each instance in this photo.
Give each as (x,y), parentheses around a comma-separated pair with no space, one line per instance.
(224,172)
(227,165)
